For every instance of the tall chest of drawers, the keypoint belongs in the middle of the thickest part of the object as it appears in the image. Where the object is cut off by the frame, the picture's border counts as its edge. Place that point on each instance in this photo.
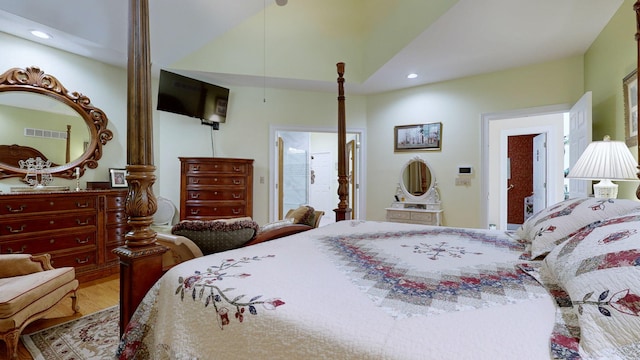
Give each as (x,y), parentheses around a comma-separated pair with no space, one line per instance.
(215,188)
(78,229)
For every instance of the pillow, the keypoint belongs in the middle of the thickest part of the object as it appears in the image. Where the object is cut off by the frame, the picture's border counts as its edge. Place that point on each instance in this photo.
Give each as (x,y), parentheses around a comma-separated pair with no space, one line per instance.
(599,268)
(213,236)
(555,224)
(302,215)
(275,225)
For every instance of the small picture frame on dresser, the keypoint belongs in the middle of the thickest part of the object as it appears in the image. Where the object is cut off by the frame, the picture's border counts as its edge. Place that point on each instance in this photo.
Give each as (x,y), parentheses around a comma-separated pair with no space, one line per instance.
(118,178)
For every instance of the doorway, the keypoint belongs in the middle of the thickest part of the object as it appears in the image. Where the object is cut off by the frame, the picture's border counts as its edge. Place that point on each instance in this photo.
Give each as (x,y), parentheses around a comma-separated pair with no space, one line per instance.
(497,127)
(304,167)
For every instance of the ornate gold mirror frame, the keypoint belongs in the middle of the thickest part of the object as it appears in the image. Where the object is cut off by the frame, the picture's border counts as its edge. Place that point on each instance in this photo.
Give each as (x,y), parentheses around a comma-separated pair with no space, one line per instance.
(34,80)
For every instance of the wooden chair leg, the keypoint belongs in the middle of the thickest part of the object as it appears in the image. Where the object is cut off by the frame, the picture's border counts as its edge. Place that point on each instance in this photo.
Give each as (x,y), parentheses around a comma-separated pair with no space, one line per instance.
(74,302)
(11,340)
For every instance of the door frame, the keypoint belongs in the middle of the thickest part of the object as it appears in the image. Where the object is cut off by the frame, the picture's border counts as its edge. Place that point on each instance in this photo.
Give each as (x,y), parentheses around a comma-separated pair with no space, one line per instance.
(272,179)
(553,169)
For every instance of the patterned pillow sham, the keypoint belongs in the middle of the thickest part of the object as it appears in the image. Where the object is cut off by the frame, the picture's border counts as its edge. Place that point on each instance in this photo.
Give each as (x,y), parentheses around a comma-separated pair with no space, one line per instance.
(599,268)
(302,215)
(555,224)
(213,236)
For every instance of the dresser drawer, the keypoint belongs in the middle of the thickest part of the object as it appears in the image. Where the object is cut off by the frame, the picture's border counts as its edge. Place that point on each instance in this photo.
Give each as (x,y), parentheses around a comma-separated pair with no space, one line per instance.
(79,260)
(216,180)
(45,244)
(35,205)
(116,217)
(423,217)
(117,202)
(218,210)
(15,226)
(226,194)
(217,167)
(115,234)
(398,215)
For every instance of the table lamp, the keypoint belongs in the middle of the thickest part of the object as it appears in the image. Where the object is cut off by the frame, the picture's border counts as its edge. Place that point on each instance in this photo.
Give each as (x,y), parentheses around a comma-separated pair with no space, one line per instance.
(605,160)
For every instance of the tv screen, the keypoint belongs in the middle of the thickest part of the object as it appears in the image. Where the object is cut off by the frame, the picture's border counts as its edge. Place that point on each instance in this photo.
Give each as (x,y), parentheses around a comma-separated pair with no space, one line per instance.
(191,97)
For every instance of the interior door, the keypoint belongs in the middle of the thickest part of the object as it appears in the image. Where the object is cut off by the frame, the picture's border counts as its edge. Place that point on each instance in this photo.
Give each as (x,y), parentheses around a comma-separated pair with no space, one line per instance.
(320,196)
(539,172)
(579,138)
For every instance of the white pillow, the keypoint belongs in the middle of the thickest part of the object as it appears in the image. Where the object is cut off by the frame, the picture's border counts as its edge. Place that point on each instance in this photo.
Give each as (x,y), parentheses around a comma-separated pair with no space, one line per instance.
(599,267)
(555,224)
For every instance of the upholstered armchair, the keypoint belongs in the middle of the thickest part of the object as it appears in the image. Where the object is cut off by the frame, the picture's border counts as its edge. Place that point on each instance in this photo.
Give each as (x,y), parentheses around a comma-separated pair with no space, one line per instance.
(29,288)
(194,238)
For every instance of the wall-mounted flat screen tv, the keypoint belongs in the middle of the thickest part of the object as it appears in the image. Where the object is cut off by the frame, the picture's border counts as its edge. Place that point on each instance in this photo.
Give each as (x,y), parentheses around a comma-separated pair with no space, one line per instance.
(191,97)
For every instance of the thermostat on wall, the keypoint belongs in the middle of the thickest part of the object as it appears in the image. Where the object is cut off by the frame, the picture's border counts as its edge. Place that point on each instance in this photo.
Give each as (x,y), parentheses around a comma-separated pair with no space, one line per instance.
(465,170)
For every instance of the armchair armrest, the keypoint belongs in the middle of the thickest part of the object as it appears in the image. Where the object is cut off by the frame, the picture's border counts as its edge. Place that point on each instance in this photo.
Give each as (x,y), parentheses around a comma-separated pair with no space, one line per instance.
(23,264)
(278,232)
(180,249)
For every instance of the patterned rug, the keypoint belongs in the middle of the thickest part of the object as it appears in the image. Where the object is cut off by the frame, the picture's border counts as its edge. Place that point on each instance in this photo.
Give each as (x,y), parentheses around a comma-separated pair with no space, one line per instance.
(94,336)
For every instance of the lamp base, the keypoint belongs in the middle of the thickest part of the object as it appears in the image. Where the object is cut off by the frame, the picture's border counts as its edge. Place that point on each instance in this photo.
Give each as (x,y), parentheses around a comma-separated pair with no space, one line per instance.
(605,189)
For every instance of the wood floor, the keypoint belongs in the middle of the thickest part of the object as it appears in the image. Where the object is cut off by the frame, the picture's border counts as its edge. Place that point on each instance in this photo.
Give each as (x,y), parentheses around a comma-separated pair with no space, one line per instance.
(92,296)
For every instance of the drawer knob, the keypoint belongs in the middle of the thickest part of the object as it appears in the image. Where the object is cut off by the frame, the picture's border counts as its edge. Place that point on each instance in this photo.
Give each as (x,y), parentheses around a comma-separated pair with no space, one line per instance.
(195,181)
(82,261)
(22,249)
(79,241)
(79,222)
(20,209)
(236,168)
(195,167)
(237,182)
(195,195)
(235,211)
(195,211)
(236,196)
(14,231)
(86,204)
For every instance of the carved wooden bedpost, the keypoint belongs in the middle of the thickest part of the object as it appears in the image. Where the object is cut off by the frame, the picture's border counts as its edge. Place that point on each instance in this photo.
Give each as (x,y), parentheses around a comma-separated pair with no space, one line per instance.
(140,257)
(343,212)
(636,8)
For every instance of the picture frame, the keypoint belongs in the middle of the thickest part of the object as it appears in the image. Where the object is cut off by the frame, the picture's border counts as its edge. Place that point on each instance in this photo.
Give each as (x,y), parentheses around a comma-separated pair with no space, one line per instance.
(221,107)
(118,178)
(630,93)
(420,137)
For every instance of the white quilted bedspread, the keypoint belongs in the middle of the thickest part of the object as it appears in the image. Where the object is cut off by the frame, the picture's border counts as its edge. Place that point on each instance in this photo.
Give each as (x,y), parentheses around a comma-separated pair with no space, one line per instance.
(350,290)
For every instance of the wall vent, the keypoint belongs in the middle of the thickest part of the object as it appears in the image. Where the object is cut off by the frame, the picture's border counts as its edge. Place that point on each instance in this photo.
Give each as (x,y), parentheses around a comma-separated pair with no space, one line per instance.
(49,134)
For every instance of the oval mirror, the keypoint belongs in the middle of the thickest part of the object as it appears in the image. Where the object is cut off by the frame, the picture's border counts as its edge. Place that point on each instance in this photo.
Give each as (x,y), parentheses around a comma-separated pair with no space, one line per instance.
(41,118)
(416,178)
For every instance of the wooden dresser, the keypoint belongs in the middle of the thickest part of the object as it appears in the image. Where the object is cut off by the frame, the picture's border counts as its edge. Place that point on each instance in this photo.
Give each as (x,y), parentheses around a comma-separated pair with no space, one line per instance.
(78,228)
(215,188)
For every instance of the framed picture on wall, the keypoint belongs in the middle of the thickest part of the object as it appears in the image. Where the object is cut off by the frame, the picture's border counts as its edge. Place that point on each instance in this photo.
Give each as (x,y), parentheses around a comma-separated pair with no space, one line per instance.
(418,137)
(630,91)
(118,178)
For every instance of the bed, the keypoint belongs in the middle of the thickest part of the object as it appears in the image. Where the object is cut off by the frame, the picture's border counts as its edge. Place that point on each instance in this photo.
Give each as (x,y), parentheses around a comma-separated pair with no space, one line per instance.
(379,290)
(566,285)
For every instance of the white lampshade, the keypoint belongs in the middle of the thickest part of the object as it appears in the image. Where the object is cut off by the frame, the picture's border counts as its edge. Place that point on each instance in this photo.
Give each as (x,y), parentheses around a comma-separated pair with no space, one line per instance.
(605,160)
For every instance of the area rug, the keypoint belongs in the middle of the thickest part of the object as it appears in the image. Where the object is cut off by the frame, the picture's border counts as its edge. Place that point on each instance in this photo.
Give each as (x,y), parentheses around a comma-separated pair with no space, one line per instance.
(94,336)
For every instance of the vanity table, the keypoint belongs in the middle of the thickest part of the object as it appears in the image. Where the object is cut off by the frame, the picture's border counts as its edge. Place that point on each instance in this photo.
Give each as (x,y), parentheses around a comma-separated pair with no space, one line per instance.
(418,200)
(414,213)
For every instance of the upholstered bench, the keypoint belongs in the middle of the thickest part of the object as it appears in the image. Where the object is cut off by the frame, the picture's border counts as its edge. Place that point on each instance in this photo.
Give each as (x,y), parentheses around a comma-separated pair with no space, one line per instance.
(29,288)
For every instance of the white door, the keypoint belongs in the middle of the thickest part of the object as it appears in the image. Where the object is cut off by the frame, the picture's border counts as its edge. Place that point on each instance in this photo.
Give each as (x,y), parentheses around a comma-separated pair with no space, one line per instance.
(539,172)
(579,138)
(320,196)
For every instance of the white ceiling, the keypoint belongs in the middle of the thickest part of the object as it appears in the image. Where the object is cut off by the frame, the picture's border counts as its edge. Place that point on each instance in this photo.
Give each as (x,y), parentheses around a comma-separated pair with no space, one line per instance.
(472,37)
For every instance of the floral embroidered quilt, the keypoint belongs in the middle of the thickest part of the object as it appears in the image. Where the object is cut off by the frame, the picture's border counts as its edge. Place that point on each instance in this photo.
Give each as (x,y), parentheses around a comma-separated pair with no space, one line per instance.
(350,290)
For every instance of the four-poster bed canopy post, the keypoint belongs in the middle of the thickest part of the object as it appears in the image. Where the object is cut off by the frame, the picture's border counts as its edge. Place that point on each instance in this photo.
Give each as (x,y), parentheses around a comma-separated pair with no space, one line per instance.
(636,8)
(140,257)
(343,212)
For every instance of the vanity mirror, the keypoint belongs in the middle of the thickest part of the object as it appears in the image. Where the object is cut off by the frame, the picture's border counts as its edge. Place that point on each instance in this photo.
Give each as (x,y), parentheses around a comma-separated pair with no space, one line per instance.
(41,118)
(416,179)
(418,200)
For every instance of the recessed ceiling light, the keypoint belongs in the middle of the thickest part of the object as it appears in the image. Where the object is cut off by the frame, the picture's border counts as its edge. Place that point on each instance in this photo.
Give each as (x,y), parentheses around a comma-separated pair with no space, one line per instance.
(412,76)
(40,34)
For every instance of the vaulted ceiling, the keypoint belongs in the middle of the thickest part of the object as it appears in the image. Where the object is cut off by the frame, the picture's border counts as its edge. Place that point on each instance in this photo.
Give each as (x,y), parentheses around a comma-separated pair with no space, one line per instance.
(253,42)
